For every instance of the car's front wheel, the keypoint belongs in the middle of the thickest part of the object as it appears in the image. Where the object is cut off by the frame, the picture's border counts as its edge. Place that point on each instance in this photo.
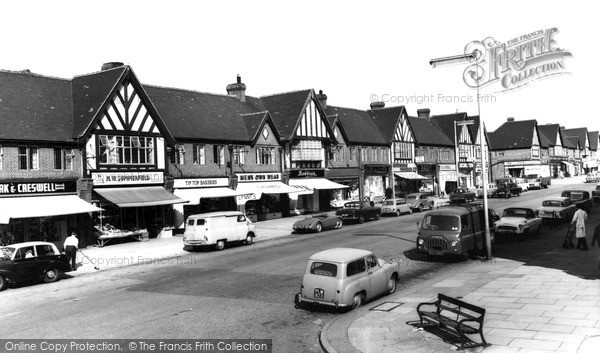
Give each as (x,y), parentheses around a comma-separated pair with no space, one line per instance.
(51,275)
(3,283)
(318,227)
(361,219)
(397,213)
(338,224)
(249,239)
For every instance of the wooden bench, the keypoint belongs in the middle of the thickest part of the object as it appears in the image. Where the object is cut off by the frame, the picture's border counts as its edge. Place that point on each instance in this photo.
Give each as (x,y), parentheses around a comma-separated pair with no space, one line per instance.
(463,318)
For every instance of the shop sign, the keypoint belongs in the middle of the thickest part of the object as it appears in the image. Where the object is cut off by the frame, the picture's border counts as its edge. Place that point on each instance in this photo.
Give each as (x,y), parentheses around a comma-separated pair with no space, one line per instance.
(405,168)
(419,159)
(465,165)
(254,177)
(447,167)
(522,163)
(25,188)
(127,178)
(377,170)
(200,183)
(307,173)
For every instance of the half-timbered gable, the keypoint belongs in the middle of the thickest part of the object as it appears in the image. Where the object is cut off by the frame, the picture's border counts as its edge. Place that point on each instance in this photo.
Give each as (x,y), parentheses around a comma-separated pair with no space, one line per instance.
(126,133)
(393,124)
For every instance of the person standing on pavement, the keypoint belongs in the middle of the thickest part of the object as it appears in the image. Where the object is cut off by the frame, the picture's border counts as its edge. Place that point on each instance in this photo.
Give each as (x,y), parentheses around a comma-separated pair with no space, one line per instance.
(596,237)
(579,219)
(71,246)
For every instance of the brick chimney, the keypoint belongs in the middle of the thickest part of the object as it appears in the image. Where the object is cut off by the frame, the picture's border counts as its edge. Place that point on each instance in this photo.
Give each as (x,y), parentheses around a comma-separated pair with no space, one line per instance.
(424,113)
(377,105)
(322,97)
(510,120)
(237,89)
(111,65)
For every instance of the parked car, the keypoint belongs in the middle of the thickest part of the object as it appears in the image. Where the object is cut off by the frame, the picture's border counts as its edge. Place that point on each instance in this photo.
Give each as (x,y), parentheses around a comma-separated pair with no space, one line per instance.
(218,228)
(491,188)
(419,201)
(557,207)
(395,207)
(507,190)
(592,177)
(596,193)
(317,223)
(346,277)
(358,211)
(36,260)
(461,195)
(579,197)
(522,183)
(519,221)
(457,230)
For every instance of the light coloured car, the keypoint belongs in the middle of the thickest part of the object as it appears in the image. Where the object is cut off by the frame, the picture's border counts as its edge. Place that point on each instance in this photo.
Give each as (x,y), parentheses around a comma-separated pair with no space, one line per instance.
(395,207)
(491,189)
(592,178)
(518,221)
(217,229)
(523,184)
(557,207)
(346,277)
(419,201)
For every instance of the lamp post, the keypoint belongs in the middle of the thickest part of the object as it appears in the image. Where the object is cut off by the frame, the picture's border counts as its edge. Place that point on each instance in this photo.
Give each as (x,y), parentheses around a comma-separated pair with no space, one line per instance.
(459,59)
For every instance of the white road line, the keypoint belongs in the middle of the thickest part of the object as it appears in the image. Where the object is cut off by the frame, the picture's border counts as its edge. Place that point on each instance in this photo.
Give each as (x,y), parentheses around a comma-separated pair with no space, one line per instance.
(11,314)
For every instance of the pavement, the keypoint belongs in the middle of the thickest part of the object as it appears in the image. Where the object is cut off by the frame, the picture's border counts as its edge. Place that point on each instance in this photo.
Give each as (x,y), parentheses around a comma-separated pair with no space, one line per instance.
(538,297)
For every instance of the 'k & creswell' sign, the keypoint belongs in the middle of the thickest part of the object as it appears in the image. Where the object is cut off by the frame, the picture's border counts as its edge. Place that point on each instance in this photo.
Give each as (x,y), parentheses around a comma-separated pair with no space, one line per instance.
(30,188)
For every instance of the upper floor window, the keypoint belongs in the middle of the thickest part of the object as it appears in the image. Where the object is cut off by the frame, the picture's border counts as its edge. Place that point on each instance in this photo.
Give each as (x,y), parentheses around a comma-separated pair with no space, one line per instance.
(1,156)
(126,150)
(239,155)
(177,155)
(63,158)
(265,155)
(353,154)
(535,152)
(338,153)
(28,157)
(199,154)
(307,150)
(403,151)
(444,154)
(219,154)
(464,151)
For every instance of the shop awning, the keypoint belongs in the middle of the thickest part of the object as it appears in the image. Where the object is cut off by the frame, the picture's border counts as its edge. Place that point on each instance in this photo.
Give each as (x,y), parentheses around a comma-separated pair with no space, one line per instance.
(254,191)
(42,206)
(194,195)
(410,175)
(316,183)
(139,196)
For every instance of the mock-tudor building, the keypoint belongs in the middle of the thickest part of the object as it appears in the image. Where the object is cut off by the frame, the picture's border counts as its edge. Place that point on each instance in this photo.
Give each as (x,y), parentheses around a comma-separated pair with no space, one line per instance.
(515,150)
(361,155)
(582,158)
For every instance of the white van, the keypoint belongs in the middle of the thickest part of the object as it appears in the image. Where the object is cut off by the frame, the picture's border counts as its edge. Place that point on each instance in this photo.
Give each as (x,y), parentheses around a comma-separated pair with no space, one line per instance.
(217,228)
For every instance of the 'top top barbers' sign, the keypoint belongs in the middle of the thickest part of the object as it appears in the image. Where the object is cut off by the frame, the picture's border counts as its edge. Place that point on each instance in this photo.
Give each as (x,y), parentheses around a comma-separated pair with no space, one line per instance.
(516,62)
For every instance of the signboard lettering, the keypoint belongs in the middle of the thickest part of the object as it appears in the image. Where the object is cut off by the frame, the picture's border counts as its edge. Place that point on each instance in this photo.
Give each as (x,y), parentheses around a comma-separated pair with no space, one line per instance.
(307,173)
(126,178)
(200,183)
(23,188)
(254,177)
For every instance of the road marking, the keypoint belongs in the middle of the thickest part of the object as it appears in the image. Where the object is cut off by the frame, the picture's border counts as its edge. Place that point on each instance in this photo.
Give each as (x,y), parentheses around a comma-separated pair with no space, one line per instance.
(11,314)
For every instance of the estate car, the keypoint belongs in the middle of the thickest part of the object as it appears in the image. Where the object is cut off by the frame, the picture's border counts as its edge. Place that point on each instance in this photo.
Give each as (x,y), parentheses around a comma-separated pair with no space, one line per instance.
(346,277)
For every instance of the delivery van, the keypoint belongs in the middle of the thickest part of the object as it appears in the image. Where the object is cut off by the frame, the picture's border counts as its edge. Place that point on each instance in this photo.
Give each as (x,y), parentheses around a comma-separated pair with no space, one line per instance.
(218,228)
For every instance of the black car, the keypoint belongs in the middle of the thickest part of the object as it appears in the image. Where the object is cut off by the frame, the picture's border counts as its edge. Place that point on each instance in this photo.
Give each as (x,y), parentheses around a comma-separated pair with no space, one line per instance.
(34,260)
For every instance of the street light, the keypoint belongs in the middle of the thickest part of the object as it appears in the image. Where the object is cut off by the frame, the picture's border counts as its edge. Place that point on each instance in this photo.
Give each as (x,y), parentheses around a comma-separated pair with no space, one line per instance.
(469,58)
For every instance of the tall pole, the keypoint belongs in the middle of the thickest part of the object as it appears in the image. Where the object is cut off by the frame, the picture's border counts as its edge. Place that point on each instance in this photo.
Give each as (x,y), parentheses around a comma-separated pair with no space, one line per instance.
(456,156)
(484,180)
(360,177)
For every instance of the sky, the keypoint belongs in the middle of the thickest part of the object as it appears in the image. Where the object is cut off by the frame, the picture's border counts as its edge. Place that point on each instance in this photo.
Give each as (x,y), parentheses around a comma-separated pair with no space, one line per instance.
(355,51)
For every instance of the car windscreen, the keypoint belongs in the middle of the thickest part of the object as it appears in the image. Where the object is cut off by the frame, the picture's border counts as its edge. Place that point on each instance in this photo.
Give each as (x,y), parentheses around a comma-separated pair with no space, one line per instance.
(388,203)
(6,252)
(511,212)
(323,269)
(411,197)
(576,195)
(440,222)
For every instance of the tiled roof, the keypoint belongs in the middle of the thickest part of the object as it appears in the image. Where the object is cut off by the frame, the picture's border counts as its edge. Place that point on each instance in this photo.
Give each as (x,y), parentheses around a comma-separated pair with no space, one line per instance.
(358,128)
(549,133)
(254,123)
(89,93)
(428,134)
(513,135)
(593,140)
(580,133)
(446,124)
(35,107)
(197,115)
(285,110)
(386,120)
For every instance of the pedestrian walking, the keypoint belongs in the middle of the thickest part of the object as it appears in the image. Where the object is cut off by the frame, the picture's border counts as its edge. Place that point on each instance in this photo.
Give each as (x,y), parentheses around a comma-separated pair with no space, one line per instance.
(71,246)
(579,219)
(596,237)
